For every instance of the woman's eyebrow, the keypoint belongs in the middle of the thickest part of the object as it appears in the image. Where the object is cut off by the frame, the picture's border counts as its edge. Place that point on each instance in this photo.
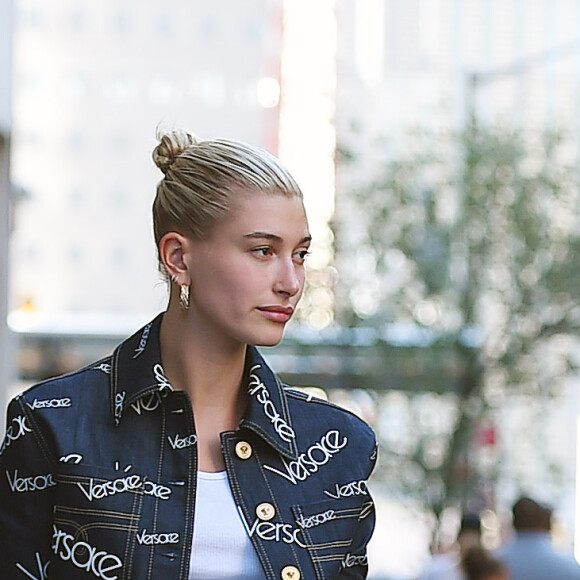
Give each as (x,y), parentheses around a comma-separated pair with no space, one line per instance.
(273,237)
(263,236)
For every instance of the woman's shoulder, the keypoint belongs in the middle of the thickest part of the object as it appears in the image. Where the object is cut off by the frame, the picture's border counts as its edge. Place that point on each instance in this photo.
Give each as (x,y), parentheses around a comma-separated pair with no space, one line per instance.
(308,408)
(59,391)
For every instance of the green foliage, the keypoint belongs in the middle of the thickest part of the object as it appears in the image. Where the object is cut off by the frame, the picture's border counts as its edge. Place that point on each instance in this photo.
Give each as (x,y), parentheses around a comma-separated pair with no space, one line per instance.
(471,233)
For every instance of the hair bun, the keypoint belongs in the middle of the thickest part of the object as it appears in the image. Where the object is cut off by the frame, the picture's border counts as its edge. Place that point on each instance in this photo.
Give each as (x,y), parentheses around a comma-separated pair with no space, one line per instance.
(171,146)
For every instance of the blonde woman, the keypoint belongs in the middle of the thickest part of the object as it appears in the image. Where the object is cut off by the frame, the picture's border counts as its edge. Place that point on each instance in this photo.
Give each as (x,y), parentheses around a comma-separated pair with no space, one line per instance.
(183,456)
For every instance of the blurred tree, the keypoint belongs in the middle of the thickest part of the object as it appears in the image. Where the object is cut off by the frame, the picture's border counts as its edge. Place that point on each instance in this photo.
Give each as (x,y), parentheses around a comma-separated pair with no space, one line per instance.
(474,236)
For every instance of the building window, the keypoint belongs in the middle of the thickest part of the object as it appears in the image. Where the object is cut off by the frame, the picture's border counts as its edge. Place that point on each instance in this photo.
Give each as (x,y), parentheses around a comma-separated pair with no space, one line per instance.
(209,27)
(121,23)
(164,25)
(31,17)
(76,21)
(164,90)
(74,86)
(210,89)
(75,142)
(121,89)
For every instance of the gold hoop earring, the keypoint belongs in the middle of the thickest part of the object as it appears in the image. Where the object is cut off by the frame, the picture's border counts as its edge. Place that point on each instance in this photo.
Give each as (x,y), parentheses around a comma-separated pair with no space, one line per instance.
(184,296)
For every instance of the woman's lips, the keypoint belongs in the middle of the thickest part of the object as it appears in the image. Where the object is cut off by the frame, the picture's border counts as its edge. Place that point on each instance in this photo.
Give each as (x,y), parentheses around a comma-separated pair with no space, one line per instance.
(277,313)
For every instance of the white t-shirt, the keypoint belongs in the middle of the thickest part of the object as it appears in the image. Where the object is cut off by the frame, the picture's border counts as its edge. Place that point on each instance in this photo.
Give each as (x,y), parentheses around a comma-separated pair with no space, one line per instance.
(221,547)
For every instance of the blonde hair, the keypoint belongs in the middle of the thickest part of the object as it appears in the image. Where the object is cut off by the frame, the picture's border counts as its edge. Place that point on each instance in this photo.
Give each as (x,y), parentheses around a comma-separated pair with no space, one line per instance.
(202,179)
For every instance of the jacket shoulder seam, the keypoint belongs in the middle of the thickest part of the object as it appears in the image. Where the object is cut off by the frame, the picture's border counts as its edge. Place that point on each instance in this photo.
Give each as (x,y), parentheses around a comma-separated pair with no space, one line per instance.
(298,395)
(69,375)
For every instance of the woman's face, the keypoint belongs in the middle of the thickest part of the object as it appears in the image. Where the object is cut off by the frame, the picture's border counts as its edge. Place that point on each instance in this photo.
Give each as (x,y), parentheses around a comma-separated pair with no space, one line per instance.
(248,275)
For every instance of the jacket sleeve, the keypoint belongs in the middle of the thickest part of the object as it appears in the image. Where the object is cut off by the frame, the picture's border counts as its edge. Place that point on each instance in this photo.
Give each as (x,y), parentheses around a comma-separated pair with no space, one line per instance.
(355,564)
(26,490)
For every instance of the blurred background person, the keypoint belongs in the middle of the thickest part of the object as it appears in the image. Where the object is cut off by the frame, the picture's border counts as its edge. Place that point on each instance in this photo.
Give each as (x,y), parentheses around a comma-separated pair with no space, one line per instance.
(477,563)
(530,555)
(448,565)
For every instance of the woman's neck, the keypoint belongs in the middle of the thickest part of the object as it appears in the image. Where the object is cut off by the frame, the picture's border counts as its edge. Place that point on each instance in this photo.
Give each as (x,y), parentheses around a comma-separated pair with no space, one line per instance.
(211,374)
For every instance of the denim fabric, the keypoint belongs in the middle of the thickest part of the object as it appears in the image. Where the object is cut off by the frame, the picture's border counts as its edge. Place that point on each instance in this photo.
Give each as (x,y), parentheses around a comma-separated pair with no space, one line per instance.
(98,474)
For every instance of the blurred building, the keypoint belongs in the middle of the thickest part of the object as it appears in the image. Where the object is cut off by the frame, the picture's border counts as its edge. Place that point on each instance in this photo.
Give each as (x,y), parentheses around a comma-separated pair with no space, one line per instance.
(92,83)
(413,63)
(7,369)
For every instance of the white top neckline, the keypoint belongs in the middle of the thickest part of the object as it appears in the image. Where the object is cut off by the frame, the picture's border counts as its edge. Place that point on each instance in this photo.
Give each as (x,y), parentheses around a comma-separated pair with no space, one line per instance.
(221,546)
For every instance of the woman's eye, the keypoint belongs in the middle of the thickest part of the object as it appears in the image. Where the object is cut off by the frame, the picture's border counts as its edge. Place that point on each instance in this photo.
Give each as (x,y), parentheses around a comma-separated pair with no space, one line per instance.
(263,251)
(302,255)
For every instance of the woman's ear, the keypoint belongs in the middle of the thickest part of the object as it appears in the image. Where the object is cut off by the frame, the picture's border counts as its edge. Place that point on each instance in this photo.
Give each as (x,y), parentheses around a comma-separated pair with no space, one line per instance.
(172,249)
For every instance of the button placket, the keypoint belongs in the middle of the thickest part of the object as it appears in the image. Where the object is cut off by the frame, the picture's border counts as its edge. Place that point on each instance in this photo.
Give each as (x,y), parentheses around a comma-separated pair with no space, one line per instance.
(265,511)
(243,450)
(290,573)
(258,503)
(179,461)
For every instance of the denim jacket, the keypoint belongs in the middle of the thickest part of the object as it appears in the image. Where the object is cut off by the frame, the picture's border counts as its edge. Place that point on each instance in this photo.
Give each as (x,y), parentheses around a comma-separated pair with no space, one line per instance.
(98,475)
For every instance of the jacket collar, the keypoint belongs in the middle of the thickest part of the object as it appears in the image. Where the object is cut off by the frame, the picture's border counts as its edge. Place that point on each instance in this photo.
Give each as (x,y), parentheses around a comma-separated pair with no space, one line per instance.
(137,372)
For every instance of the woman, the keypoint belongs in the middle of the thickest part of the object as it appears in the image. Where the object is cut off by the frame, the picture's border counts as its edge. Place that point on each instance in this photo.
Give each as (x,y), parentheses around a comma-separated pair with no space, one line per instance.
(182,456)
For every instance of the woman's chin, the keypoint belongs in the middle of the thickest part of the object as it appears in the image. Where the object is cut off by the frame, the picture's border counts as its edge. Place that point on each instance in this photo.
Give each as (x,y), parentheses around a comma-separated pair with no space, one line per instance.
(268,341)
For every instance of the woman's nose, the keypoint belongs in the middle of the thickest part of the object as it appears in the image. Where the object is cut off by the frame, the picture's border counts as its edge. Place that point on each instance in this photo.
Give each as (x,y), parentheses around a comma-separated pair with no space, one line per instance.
(289,280)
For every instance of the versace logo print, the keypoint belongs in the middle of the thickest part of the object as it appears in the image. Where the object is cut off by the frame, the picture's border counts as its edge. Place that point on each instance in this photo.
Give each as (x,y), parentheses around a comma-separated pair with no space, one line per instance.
(50,403)
(84,556)
(18,428)
(104,367)
(316,519)
(74,458)
(179,442)
(143,341)
(29,484)
(309,462)
(130,483)
(274,532)
(258,388)
(349,489)
(162,381)
(119,403)
(352,560)
(157,539)
(41,569)
(150,402)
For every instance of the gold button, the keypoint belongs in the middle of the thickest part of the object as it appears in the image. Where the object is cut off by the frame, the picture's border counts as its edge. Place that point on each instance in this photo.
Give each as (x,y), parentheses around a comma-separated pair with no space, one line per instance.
(243,450)
(265,511)
(290,573)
